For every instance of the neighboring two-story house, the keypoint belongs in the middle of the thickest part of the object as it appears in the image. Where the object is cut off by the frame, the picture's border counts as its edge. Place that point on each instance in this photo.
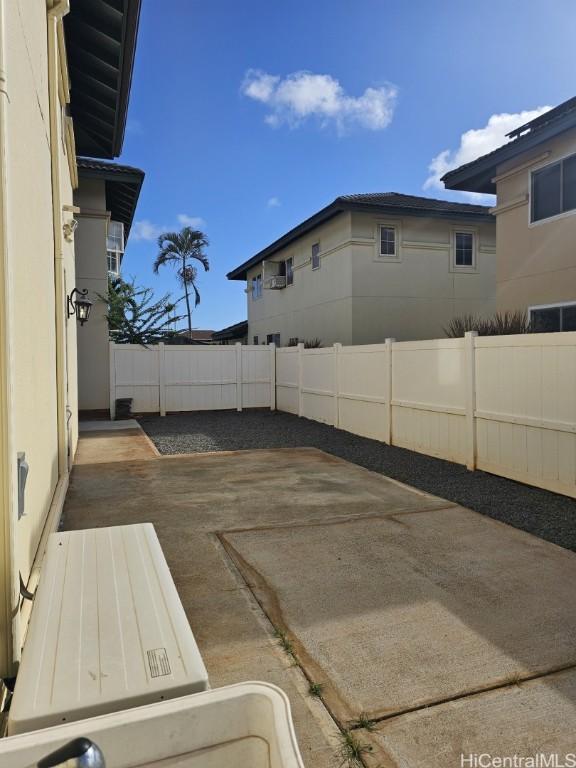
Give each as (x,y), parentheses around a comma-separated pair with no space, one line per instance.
(534,178)
(106,200)
(372,266)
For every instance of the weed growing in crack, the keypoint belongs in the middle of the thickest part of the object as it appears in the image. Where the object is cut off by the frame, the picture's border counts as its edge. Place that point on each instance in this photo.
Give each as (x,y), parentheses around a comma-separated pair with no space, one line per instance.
(315,689)
(365,722)
(351,751)
(285,643)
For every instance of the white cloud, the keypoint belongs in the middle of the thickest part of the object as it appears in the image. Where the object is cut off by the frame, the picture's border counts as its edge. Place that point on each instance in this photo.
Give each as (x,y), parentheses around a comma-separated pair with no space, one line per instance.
(302,95)
(477,142)
(196,222)
(145,230)
(273,202)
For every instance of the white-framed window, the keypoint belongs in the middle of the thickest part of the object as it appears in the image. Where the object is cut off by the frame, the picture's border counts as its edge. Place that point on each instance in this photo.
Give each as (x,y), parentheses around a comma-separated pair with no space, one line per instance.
(463,249)
(464,246)
(289,271)
(553,189)
(113,262)
(315,257)
(273,338)
(256,287)
(549,318)
(256,340)
(387,241)
(115,246)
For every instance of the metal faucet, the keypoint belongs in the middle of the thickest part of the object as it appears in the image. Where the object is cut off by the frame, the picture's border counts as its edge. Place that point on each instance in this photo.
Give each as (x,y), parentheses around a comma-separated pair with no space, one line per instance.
(79,753)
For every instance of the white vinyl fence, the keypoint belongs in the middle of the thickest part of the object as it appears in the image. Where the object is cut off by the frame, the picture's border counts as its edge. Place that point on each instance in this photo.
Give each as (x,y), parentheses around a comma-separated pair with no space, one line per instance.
(505,404)
(164,378)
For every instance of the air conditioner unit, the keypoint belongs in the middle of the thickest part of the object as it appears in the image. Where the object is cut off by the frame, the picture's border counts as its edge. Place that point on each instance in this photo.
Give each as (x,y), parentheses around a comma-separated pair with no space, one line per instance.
(276,282)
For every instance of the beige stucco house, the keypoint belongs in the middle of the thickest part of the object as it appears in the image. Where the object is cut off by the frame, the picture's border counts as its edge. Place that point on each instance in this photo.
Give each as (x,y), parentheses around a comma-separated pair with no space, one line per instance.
(534,178)
(368,267)
(106,199)
(54,104)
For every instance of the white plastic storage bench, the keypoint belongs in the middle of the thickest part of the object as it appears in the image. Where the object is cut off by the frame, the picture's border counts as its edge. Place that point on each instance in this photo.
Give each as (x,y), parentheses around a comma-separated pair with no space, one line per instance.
(107,631)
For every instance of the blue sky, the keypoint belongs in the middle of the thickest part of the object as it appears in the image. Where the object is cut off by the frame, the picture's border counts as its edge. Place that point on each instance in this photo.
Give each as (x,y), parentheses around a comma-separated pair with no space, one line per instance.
(249,117)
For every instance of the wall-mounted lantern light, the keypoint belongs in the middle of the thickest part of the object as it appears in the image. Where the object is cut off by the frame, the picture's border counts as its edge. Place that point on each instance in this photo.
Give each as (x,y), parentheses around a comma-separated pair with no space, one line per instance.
(80,305)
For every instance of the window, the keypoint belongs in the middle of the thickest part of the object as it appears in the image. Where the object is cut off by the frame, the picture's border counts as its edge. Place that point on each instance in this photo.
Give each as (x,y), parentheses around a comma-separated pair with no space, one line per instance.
(463,249)
(273,338)
(561,317)
(388,242)
(255,340)
(113,263)
(553,189)
(289,271)
(316,256)
(293,342)
(115,246)
(256,287)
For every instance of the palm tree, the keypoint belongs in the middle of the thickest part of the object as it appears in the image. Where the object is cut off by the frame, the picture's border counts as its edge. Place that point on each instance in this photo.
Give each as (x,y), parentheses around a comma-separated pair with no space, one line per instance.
(179,249)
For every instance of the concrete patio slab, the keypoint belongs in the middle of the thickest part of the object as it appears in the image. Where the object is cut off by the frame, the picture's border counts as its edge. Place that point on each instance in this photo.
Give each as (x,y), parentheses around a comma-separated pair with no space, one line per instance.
(534,718)
(398,612)
(101,425)
(361,568)
(104,446)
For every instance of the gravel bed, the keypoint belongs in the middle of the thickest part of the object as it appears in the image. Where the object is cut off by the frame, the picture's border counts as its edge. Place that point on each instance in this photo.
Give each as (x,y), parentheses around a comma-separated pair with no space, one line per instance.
(545,514)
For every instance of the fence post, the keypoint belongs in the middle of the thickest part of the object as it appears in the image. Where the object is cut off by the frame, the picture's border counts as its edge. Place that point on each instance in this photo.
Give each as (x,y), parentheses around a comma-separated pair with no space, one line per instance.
(470,363)
(388,391)
(238,346)
(162,378)
(300,378)
(272,348)
(112,362)
(337,350)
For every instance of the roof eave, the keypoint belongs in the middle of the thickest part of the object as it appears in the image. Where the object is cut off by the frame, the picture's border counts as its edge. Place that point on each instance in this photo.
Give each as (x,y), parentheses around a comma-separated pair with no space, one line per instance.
(306,226)
(477,176)
(131,22)
(133,177)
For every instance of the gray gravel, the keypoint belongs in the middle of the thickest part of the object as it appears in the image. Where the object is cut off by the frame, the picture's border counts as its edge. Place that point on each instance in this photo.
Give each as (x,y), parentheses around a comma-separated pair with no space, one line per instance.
(545,514)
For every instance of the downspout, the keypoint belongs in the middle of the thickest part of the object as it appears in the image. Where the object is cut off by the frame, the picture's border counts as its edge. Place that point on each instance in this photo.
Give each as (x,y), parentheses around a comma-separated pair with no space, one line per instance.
(56,11)
(10,596)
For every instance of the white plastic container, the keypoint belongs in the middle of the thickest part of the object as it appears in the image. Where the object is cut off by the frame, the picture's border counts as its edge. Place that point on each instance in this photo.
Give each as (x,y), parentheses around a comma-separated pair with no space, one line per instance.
(248,725)
(107,632)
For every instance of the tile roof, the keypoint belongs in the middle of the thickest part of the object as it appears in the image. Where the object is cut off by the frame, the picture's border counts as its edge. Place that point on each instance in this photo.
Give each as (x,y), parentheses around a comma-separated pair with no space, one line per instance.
(92,164)
(393,203)
(399,200)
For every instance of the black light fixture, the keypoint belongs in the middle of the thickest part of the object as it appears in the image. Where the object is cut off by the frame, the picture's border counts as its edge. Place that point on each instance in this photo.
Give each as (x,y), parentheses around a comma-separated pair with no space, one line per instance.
(79,306)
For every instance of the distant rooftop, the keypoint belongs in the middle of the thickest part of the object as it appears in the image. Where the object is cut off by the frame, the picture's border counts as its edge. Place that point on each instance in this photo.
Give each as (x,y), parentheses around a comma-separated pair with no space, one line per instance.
(394,203)
(232,332)
(477,175)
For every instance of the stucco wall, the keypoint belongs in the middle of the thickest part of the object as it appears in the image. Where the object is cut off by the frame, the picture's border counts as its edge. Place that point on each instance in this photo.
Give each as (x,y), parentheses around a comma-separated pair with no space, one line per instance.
(357,298)
(416,296)
(536,263)
(31,274)
(318,304)
(92,273)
